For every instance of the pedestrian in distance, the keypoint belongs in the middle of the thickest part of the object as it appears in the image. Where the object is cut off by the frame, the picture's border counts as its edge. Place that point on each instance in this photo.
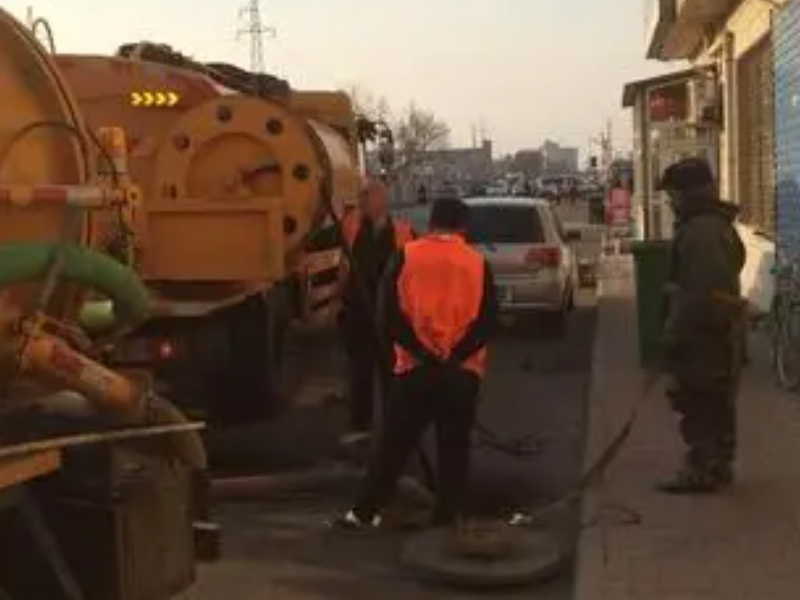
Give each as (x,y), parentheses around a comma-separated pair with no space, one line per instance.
(440,309)
(372,236)
(572,187)
(704,331)
(422,194)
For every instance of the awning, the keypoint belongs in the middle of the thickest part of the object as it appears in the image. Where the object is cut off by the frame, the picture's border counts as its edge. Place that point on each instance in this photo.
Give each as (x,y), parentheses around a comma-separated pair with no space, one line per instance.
(632,89)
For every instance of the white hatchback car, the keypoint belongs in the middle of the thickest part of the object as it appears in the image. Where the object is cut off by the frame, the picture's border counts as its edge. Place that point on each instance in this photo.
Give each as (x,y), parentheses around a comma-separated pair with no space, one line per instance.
(534,266)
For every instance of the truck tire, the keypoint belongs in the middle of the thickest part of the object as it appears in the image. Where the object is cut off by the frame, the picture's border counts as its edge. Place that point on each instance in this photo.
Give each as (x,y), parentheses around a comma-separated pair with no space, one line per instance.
(250,387)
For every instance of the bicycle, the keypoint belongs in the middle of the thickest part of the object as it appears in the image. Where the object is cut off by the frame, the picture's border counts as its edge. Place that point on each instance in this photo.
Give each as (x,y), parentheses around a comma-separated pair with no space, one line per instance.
(785,325)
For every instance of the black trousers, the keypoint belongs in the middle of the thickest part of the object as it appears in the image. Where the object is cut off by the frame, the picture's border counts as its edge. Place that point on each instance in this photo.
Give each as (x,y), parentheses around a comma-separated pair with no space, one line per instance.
(363,373)
(708,422)
(445,397)
(364,368)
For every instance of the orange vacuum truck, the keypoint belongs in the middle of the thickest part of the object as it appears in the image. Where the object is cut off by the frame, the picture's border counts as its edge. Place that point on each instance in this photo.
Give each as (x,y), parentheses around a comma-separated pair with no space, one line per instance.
(163,222)
(94,465)
(233,233)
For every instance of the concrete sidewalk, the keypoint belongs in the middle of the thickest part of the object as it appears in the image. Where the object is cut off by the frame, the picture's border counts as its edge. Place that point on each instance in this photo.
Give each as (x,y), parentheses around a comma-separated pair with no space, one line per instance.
(741,545)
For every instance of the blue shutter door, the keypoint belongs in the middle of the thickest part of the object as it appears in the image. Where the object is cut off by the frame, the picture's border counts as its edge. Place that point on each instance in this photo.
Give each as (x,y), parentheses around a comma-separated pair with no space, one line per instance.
(786,48)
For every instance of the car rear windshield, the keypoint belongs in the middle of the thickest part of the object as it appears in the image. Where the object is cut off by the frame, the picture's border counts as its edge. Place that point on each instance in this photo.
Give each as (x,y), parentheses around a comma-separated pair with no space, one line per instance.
(505,225)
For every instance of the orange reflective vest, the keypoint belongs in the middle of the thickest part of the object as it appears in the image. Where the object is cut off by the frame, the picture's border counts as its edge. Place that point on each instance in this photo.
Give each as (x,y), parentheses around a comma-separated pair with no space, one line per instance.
(351,226)
(440,291)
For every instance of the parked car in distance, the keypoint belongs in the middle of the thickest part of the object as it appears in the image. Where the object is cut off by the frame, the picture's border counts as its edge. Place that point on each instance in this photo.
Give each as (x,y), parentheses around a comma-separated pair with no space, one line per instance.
(447,191)
(555,186)
(525,244)
(497,188)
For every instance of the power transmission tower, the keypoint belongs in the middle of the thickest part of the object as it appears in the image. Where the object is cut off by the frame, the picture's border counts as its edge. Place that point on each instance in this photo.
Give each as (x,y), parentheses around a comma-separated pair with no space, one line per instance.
(255,29)
(483,131)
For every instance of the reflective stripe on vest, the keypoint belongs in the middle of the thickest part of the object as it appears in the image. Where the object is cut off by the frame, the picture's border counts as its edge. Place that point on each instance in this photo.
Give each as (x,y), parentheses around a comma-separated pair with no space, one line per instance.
(351,226)
(440,291)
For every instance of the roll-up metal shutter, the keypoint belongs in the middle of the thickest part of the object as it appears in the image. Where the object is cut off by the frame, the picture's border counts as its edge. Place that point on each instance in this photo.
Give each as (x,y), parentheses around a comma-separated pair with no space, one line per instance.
(786,41)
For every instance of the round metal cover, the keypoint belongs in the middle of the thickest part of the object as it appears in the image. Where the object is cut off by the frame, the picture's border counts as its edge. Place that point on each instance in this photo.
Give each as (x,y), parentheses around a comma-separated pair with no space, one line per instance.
(537,556)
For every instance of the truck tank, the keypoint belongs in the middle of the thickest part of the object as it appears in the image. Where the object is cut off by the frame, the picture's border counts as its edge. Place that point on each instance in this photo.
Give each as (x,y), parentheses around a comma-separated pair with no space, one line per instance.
(55,395)
(233,235)
(42,141)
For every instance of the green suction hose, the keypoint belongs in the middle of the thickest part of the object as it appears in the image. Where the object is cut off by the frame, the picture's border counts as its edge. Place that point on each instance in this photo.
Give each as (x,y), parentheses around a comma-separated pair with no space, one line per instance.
(28,261)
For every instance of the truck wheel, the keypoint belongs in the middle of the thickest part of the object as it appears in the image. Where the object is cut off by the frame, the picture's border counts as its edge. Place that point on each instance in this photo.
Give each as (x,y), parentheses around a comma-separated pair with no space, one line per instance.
(251,382)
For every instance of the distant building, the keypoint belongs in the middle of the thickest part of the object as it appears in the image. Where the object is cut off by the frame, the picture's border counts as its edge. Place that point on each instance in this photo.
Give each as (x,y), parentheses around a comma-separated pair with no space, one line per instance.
(559,159)
(529,162)
(470,169)
(460,166)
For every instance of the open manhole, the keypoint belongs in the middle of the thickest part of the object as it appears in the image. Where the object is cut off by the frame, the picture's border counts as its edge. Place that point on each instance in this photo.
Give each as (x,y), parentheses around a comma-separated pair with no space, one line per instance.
(521,556)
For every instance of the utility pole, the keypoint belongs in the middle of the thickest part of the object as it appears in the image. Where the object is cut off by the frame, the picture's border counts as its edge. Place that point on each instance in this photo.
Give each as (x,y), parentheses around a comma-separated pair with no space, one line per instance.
(606,143)
(483,131)
(255,29)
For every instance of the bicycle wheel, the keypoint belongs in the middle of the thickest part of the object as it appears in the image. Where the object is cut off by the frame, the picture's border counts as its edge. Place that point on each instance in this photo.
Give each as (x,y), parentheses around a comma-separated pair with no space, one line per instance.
(787,346)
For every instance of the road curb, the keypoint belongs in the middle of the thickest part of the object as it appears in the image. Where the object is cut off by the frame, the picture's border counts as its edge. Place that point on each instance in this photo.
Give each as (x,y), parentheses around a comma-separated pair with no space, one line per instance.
(615,285)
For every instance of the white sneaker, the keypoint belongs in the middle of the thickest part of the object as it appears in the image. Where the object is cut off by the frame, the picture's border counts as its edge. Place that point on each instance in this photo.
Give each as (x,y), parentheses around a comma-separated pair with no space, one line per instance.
(519,519)
(351,522)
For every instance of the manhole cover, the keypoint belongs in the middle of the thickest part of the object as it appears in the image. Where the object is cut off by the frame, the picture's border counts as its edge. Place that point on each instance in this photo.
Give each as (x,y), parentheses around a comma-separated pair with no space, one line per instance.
(536,556)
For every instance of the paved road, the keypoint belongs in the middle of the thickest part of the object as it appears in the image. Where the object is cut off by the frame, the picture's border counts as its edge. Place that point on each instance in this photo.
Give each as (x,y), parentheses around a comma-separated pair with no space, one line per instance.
(282,549)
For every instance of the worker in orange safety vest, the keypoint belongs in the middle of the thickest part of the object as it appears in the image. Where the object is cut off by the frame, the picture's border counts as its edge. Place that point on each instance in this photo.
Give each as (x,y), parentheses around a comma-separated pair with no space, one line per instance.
(373,237)
(440,310)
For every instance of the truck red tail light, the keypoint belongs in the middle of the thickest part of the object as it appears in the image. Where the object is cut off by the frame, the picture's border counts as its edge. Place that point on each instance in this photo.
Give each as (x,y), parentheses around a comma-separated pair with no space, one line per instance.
(166,350)
(148,351)
(544,256)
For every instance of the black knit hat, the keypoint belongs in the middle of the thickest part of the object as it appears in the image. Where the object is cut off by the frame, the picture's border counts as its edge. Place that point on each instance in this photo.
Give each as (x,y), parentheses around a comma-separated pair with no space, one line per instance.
(687,174)
(450,214)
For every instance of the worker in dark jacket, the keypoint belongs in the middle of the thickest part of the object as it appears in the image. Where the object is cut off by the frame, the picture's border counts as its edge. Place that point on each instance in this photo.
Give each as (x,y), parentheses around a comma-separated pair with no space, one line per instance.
(373,236)
(440,310)
(704,331)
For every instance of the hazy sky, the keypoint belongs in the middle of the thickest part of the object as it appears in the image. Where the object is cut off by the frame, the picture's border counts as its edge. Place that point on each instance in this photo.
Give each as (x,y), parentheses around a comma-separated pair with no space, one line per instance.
(528,69)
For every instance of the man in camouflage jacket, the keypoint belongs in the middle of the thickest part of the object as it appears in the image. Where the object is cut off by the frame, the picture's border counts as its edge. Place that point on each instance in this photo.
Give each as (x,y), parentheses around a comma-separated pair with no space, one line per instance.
(704,330)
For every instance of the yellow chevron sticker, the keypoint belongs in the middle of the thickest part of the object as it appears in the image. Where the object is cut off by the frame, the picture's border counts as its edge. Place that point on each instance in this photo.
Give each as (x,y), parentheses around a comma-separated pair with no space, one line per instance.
(154,98)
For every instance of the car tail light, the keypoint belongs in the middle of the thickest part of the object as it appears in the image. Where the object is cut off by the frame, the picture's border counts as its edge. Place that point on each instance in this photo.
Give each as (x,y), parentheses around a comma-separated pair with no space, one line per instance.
(544,256)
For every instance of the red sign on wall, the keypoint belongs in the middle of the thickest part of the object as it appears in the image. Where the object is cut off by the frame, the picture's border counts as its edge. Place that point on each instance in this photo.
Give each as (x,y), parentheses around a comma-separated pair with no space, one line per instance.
(669,103)
(618,207)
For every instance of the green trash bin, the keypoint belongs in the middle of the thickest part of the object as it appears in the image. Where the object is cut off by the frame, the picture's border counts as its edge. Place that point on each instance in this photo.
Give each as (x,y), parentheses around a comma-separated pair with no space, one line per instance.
(652,267)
